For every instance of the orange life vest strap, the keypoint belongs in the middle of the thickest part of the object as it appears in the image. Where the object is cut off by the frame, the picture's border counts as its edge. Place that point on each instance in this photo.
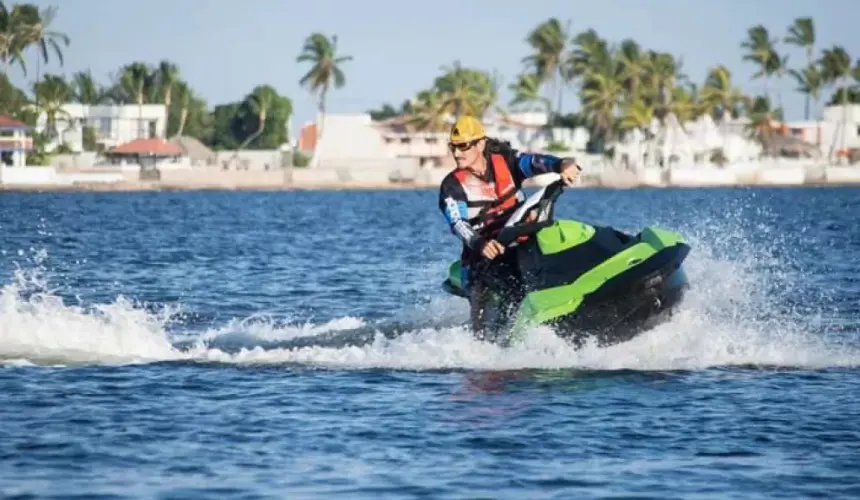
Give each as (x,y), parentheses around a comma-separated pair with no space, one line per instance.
(505,190)
(502,174)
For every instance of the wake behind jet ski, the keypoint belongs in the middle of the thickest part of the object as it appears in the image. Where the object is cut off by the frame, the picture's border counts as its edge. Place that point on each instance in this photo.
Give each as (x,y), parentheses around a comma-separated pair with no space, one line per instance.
(582,280)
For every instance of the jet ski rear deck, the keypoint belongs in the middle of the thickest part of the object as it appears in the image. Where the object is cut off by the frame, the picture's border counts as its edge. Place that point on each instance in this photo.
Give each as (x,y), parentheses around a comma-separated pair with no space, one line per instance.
(611,286)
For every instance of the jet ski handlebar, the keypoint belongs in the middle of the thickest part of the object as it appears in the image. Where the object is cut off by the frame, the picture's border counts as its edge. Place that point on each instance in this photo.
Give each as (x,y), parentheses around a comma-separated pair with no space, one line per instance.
(553,191)
(524,227)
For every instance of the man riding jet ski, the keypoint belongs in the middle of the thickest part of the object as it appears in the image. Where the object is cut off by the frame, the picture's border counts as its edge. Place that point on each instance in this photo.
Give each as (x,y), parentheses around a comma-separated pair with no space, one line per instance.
(519,267)
(479,196)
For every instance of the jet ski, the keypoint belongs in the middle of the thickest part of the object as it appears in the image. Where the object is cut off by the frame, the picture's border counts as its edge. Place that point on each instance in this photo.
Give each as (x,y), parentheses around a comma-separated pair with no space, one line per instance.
(584,281)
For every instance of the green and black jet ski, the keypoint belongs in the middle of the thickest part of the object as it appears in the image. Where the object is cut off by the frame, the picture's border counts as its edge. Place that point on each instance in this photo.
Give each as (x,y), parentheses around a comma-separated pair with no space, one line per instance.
(581,280)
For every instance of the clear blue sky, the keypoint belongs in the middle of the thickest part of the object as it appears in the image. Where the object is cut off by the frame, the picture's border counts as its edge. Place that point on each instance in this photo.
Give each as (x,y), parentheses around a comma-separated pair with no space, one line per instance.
(224,48)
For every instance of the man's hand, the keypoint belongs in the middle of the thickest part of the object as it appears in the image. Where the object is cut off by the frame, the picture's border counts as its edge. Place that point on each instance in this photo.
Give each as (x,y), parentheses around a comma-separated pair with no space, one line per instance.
(570,171)
(492,249)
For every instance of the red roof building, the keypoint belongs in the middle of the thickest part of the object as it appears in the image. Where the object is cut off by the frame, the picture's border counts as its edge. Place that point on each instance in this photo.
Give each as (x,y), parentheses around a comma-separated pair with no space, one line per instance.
(148,147)
(9,123)
(14,139)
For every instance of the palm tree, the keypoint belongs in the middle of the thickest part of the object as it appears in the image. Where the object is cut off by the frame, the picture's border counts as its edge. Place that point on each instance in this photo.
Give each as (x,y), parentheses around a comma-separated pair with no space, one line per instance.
(13,38)
(633,67)
(427,112)
(778,66)
(761,116)
(526,90)
(167,74)
(52,92)
(761,51)
(590,50)
(719,96)
(686,103)
(38,33)
(86,90)
(183,95)
(465,90)
(809,82)
(802,34)
(601,93)
(325,72)
(638,114)
(856,73)
(549,44)
(258,102)
(836,70)
(663,75)
(135,82)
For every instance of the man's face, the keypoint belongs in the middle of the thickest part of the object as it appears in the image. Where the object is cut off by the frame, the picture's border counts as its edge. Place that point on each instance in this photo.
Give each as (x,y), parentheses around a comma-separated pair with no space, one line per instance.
(468,154)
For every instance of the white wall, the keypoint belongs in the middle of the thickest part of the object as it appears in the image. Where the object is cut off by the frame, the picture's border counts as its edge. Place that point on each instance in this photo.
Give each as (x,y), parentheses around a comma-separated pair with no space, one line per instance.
(113,124)
(834,113)
(347,137)
(22,176)
(415,145)
(831,129)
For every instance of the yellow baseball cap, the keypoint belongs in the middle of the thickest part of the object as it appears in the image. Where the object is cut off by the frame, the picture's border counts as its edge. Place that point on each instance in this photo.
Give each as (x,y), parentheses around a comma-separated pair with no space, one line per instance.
(466,129)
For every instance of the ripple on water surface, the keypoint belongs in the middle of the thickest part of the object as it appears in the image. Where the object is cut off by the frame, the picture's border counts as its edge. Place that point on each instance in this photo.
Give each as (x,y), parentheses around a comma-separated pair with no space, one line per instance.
(151,357)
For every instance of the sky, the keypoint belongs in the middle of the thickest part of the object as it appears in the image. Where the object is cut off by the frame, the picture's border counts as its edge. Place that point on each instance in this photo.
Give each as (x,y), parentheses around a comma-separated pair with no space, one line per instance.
(225,48)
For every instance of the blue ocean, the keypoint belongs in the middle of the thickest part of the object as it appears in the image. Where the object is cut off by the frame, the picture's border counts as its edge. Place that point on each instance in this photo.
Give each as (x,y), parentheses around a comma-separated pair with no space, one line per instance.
(148,349)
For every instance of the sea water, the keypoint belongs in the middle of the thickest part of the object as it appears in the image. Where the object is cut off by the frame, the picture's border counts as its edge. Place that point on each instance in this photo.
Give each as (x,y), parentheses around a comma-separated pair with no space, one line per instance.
(145,353)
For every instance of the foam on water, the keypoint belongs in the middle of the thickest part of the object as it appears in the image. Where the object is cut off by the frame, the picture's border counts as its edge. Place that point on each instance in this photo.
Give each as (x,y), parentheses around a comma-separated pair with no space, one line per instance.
(734,314)
(716,326)
(36,326)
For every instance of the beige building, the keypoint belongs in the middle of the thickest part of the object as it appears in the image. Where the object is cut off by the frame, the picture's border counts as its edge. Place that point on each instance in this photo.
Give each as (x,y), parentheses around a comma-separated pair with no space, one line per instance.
(355,138)
(429,149)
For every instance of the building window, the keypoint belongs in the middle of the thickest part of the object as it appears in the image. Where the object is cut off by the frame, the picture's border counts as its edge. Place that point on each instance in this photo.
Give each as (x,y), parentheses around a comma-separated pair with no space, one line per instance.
(104,127)
(151,129)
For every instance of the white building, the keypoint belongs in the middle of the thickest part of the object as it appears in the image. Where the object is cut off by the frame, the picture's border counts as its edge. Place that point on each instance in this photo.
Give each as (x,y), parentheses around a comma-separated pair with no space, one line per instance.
(355,138)
(834,130)
(113,124)
(14,142)
(528,131)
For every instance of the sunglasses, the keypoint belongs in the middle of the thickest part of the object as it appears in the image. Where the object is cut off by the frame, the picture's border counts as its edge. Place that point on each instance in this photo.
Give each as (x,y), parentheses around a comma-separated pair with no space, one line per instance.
(463,146)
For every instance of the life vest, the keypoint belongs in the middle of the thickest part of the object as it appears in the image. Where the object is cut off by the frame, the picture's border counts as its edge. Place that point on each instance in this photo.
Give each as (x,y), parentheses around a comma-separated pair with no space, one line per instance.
(489,205)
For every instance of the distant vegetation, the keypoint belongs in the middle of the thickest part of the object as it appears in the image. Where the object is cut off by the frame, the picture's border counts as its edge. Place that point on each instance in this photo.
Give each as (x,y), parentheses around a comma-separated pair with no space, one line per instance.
(256,121)
(621,86)
(624,86)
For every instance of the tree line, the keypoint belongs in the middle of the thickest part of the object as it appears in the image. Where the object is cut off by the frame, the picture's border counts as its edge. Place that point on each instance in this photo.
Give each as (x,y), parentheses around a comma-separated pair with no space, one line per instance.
(620,86)
(257,121)
(623,86)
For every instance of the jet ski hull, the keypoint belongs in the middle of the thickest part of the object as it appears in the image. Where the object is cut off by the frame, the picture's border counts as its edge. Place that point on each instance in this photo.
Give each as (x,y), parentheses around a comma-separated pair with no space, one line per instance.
(626,306)
(607,285)
(591,282)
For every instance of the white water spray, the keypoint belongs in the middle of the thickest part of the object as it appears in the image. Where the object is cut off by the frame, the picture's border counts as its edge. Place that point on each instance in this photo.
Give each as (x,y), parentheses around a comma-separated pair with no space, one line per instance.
(720,323)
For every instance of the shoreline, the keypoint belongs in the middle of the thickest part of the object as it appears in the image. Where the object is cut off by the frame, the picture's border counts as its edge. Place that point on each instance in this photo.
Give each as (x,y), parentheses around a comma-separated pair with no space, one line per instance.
(156,186)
